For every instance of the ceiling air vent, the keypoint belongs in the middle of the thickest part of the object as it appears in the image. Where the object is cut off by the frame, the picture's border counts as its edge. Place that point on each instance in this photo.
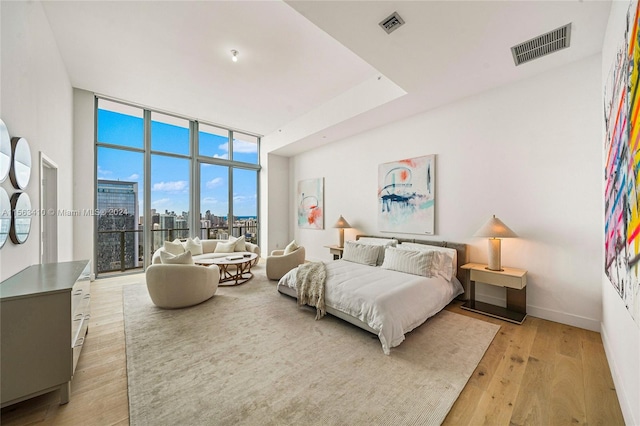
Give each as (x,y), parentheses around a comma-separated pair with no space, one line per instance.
(391,22)
(543,45)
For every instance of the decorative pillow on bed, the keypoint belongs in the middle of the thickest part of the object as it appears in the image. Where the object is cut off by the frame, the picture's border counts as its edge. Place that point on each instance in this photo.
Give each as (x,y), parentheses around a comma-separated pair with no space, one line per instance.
(225,247)
(174,247)
(194,245)
(178,259)
(410,261)
(361,253)
(447,259)
(382,242)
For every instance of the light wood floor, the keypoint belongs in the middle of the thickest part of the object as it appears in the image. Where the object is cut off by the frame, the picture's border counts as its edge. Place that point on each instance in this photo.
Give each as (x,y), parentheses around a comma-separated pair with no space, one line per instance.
(539,373)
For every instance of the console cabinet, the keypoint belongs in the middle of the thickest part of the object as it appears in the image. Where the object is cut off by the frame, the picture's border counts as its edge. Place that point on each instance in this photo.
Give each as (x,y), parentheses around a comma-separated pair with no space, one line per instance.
(44,316)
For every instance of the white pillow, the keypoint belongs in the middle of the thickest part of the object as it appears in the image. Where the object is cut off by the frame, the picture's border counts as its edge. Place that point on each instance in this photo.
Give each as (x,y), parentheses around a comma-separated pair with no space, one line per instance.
(174,247)
(240,243)
(383,242)
(447,264)
(291,247)
(361,253)
(179,259)
(409,261)
(225,247)
(194,246)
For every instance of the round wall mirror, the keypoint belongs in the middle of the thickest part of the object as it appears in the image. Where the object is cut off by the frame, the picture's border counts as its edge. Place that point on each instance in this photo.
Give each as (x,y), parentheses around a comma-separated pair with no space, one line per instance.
(5,152)
(20,217)
(21,166)
(5,216)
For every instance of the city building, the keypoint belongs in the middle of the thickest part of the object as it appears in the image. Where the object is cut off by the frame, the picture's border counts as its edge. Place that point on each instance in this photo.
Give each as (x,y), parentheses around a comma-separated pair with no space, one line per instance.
(118,233)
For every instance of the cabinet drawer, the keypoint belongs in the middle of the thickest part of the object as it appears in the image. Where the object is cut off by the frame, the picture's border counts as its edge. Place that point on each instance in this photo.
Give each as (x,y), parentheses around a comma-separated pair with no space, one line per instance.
(80,289)
(78,340)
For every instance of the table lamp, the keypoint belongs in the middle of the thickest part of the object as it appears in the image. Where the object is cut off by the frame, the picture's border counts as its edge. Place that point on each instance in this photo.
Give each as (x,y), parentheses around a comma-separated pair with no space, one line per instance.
(342,224)
(494,229)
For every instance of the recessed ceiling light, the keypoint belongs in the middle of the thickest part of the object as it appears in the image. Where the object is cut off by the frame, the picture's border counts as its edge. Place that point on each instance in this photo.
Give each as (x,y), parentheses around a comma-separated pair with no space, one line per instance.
(234,55)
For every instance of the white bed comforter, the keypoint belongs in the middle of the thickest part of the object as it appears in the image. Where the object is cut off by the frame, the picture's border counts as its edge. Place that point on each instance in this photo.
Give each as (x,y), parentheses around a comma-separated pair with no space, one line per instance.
(391,303)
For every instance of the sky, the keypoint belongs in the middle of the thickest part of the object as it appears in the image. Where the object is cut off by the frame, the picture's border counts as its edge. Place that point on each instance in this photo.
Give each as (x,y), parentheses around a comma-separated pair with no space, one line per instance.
(170,185)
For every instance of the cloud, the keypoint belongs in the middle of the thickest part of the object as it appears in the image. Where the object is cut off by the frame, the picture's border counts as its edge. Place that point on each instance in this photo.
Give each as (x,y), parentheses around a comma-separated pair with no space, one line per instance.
(134,176)
(175,186)
(244,147)
(214,183)
(240,147)
(244,197)
(209,200)
(161,202)
(224,156)
(104,174)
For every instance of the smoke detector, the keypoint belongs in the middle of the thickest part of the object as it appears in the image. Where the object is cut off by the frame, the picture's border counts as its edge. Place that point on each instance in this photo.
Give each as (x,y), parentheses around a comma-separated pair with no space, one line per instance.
(391,22)
(545,44)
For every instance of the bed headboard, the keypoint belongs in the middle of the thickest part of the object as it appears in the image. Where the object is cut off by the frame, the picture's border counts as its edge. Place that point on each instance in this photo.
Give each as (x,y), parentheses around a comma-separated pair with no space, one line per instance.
(461,248)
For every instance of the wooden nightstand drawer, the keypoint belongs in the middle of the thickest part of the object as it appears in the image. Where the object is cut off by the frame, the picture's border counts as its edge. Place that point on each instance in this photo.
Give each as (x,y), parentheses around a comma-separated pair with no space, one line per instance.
(501,279)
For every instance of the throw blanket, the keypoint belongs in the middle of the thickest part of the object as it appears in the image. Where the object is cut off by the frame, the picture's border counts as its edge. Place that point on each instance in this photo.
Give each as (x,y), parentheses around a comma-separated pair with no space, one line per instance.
(310,279)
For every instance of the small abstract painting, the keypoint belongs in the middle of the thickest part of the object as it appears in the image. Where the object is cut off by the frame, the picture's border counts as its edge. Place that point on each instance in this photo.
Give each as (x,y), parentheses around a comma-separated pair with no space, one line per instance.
(406,196)
(311,203)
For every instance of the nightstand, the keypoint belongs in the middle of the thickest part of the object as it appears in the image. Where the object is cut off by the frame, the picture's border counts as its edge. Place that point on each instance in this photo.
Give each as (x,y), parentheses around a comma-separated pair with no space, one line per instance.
(514,280)
(335,251)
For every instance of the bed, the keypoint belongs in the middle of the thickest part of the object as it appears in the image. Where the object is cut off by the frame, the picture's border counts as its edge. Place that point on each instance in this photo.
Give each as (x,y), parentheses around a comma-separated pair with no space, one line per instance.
(387,302)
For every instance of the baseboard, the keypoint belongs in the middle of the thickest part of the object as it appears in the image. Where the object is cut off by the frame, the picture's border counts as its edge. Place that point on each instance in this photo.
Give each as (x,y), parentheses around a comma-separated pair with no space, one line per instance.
(547,314)
(625,404)
(564,318)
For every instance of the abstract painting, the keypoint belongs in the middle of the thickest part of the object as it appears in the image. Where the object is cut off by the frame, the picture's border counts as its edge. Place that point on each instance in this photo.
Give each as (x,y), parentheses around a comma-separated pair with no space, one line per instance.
(406,196)
(622,165)
(311,203)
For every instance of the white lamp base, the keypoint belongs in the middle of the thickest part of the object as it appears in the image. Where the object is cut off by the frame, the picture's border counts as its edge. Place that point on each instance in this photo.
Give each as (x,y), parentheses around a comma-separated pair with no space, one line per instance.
(494,255)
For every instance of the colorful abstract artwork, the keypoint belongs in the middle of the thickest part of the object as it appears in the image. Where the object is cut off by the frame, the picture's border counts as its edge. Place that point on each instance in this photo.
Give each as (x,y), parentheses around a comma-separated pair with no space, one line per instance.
(311,203)
(622,165)
(406,196)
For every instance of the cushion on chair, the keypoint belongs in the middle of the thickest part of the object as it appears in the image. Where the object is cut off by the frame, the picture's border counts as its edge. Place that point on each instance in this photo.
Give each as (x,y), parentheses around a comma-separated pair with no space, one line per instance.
(228,247)
(176,259)
(174,247)
(240,243)
(291,247)
(194,245)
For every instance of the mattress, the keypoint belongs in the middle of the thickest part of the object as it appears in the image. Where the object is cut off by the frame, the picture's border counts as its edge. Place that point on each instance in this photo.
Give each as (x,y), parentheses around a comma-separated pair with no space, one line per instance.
(389,303)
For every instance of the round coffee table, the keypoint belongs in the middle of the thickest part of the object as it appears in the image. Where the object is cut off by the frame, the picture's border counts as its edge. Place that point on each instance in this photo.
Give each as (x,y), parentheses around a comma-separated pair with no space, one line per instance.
(235,271)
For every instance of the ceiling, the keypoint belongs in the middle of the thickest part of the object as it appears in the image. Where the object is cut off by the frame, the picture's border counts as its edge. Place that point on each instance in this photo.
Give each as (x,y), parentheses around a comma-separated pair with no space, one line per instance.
(309,72)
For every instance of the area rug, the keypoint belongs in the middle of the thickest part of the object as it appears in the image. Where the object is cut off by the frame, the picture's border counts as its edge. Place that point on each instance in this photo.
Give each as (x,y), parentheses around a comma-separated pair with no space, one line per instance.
(251,356)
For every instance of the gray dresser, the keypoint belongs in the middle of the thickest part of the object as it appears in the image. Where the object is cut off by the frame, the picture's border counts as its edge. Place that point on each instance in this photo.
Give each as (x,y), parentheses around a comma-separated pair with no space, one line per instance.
(44,313)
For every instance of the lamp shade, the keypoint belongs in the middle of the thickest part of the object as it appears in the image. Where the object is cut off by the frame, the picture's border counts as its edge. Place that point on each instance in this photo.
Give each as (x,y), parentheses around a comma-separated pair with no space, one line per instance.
(342,223)
(495,228)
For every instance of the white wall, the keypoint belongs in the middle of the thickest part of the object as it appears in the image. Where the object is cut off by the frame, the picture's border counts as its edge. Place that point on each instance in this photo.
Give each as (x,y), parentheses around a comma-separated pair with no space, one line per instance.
(528,152)
(84,170)
(621,336)
(36,103)
(274,199)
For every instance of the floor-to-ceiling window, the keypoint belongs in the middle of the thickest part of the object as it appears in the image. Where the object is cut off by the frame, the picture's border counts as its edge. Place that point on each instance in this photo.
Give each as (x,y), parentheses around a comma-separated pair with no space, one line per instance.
(154,169)
(120,180)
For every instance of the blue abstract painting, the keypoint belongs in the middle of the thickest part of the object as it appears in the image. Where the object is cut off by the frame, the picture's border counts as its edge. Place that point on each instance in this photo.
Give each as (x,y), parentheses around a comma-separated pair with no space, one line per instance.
(406,196)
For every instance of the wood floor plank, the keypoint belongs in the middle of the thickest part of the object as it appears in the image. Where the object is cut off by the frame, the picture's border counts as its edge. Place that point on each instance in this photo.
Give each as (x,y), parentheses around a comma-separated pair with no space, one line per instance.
(499,399)
(600,396)
(567,392)
(532,404)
